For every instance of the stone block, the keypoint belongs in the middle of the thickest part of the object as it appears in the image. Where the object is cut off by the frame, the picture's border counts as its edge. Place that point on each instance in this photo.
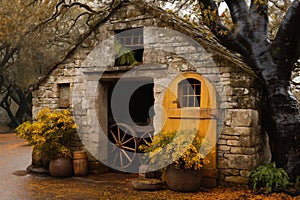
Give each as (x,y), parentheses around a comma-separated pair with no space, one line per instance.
(242,80)
(228,90)
(243,150)
(35,102)
(236,179)
(233,142)
(223,148)
(52,101)
(222,163)
(71,72)
(40,93)
(245,173)
(222,142)
(239,161)
(240,131)
(229,137)
(88,103)
(250,141)
(231,172)
(241,118)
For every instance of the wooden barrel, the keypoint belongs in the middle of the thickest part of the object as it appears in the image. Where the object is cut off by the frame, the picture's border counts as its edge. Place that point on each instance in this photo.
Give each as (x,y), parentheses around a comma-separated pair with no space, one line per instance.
(80,163)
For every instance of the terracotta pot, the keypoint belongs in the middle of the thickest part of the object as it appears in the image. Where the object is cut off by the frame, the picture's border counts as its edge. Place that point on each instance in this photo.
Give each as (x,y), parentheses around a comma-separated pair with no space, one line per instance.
(61,167)
(183,180)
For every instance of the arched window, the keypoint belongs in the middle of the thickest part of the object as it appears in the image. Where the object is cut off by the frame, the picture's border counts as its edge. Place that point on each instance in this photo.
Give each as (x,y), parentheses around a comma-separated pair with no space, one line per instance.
(189,93)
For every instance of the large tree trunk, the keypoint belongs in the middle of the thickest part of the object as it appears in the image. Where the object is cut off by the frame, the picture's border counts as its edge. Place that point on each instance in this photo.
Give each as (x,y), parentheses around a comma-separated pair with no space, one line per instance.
(282,122)
(273,62)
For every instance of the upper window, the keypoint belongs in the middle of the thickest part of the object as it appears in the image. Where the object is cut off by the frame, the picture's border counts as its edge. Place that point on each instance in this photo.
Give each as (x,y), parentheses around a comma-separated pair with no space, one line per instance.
(189,93)
(129,47)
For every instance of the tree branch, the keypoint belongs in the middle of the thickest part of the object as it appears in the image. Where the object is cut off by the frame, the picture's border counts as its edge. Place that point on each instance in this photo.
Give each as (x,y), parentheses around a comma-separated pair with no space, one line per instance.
(181,6)
(259,15)
(7,53)
(213,21)
(275,3)
(241,36)
(250,33)
(286,46)
(238,10)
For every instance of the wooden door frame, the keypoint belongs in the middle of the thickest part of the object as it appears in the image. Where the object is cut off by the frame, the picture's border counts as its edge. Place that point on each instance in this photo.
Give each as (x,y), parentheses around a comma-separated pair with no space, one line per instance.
(207,111)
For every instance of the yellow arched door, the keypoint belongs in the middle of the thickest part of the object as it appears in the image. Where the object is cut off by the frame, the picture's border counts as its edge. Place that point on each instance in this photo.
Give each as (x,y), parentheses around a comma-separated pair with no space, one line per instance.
(190,103)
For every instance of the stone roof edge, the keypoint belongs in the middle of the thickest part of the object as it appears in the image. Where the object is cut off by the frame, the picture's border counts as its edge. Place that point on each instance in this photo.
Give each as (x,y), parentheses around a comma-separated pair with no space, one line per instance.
(196,32)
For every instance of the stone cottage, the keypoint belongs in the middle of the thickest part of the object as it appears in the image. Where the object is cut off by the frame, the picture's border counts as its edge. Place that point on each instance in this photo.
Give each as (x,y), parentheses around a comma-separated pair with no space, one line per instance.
(173,76)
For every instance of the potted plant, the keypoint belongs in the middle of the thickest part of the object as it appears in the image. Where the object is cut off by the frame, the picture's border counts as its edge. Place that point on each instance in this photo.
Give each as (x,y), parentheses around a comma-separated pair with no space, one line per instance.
(124,56)
(183,150)
(50,134)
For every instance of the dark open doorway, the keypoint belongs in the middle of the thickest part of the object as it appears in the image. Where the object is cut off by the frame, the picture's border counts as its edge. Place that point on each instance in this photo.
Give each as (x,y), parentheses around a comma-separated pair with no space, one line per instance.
(129,107)
(131,101)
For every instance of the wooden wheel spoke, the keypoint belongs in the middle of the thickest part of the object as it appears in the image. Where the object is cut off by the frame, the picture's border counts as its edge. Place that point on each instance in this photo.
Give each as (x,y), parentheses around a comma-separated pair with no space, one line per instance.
(132,138)
(124,139)
(146,142)
(115,160)
(119,134)
(128,148)
(112,133)
(126,155)
(124,135)
(114,147)
(121,158)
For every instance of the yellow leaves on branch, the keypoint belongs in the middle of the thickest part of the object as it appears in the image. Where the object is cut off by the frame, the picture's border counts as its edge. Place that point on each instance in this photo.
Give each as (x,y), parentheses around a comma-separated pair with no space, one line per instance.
(49,126)
(260,2)
(181,147)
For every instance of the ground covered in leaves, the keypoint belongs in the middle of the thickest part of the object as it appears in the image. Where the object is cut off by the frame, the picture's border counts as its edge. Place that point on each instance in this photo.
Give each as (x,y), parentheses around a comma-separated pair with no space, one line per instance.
(16,183)
(118,186)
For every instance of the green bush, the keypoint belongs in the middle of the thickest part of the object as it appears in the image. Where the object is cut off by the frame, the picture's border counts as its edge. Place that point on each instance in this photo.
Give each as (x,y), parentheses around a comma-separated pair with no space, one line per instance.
(268,178)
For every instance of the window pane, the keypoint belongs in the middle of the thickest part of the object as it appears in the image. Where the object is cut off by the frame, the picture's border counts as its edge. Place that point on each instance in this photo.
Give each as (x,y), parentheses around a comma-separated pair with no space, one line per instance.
(184,90)
(190,101)
(130,40)
(197,103)
(135,40)
(189,93)
(184,102)
(198,89)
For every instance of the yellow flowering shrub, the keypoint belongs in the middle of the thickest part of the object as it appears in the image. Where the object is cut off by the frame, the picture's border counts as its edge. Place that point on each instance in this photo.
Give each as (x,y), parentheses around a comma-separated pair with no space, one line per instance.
(182,148)
(51,132)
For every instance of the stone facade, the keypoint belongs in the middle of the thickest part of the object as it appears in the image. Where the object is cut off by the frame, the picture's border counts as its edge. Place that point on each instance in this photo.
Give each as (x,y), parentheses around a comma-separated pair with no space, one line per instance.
(171,47)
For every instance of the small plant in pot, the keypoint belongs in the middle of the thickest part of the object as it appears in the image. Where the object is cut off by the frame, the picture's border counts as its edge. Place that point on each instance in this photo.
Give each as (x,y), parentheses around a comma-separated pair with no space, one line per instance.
(50,136)
(183,150)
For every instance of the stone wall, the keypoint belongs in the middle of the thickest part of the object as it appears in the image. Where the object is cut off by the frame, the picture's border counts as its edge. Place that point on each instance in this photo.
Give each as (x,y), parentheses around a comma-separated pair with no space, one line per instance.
(241,142)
